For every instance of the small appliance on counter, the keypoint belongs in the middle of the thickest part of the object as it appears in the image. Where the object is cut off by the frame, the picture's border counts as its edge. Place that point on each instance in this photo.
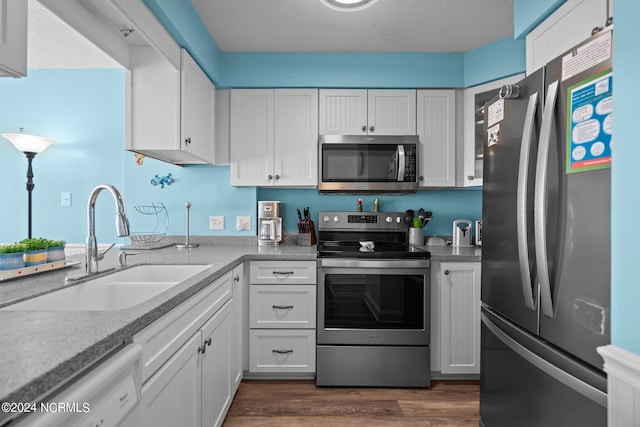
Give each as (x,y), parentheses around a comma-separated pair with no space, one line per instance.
(269,223)
(462,232)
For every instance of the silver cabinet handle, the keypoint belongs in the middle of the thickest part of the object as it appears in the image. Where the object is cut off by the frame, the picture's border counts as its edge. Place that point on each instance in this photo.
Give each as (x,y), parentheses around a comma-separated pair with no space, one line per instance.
(281,351)
(421,178)
(371,128)
(202,349)
(277,177)
(540,202)
(282,307)
(521,202)
(269,177)
(286,273)
(236,278)
(470,178)
(446,272)
(364,128)
(187,140)
(208,341)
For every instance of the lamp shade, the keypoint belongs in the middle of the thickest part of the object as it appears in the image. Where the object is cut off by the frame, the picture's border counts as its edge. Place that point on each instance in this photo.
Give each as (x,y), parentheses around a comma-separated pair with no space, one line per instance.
(28,143)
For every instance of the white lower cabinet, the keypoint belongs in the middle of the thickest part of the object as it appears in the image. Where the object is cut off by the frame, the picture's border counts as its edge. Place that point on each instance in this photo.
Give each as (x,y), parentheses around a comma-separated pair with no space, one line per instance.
(237,329)
(460,316)
(282,317)
(189,372)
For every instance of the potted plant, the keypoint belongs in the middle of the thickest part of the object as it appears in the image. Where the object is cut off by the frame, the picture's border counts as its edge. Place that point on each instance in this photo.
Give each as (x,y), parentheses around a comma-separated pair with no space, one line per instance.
(11,256)
(36,251)
(55,250)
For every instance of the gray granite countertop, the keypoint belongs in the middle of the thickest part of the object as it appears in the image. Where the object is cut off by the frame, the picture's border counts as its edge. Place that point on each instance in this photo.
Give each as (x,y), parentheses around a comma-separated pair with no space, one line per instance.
(40,350)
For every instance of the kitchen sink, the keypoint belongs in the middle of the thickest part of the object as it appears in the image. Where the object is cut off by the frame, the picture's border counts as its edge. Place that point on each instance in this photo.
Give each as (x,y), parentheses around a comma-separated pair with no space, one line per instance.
(116,291)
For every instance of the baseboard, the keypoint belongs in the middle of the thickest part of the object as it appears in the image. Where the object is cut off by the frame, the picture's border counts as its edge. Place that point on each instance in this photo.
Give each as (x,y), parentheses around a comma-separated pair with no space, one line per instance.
(623,381)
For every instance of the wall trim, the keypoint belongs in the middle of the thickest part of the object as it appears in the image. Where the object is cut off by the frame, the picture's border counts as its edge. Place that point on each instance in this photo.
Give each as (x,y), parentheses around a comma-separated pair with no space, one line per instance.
(623,381)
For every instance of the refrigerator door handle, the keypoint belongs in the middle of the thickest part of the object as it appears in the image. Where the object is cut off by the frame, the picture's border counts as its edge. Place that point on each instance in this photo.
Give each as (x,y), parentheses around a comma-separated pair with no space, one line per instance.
(550,369)
(521,213)
(540,201)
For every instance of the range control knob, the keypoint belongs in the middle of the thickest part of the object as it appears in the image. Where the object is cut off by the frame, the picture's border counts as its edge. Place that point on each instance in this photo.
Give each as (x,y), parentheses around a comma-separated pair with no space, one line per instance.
(336,218)
(326,218)
(398,219)
(389,219)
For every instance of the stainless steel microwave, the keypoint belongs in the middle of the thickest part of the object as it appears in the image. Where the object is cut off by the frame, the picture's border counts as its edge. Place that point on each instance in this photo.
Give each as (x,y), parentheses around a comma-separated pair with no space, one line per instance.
(368,164)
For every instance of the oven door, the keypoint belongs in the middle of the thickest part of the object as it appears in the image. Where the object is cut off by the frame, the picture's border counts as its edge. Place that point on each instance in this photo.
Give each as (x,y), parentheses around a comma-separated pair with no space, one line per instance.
(373,302)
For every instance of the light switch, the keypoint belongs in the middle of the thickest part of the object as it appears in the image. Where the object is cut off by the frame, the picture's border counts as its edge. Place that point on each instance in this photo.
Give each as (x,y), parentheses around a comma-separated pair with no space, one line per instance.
(243,223)
(216,222)
(65,199)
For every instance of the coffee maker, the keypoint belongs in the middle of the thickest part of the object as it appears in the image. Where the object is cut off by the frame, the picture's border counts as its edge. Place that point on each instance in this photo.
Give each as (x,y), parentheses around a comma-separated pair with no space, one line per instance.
(269,224)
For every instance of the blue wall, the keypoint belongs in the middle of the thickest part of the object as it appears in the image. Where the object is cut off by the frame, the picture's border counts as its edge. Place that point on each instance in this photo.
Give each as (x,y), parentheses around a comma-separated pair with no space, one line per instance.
(83,112)
(625,292)
(527,14)
(481,64)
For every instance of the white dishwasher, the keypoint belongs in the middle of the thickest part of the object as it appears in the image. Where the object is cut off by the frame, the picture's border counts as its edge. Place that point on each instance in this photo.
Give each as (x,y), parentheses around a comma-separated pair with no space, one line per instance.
(103,397)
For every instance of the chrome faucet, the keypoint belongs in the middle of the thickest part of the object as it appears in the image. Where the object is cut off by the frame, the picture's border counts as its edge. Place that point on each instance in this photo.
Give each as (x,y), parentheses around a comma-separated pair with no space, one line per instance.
(122,225)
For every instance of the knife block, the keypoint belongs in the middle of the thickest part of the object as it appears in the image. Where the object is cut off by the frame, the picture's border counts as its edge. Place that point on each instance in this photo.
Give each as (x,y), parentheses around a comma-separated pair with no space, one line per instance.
(306,233)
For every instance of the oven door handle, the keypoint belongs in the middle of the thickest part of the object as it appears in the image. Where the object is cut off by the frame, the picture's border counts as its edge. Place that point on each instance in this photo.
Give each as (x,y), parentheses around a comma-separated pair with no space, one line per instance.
(377,263)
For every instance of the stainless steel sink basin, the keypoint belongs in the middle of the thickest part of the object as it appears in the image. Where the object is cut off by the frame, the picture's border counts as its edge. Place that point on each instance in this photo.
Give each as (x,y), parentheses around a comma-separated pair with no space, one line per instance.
(117,291)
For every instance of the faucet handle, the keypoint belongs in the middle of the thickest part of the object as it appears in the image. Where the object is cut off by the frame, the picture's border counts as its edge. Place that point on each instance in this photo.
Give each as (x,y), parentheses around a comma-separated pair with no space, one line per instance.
(101,254)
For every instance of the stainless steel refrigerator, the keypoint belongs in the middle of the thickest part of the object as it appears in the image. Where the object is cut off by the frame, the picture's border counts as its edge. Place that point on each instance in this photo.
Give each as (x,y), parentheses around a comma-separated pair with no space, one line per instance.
(546,243)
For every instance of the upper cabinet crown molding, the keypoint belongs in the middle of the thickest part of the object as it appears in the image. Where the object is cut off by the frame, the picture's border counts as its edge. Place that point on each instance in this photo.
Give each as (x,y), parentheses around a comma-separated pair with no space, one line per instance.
(13,38)
(367,112)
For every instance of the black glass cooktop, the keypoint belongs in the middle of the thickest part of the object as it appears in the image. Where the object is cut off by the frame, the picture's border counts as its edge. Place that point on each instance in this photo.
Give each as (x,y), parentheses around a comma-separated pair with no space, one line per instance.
(350,249)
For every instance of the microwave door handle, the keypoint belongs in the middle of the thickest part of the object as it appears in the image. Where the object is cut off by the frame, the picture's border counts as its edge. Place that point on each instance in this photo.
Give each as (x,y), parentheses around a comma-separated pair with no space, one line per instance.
(400,161)
(360,164)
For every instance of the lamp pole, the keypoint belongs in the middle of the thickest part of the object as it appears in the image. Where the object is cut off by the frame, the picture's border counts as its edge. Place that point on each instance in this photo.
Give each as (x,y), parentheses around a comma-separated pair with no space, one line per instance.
(30,185)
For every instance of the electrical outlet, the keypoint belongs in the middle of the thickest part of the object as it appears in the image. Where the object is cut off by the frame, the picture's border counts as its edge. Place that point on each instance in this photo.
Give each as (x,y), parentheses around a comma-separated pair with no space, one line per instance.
(65,199)
(216,222)
(243,223)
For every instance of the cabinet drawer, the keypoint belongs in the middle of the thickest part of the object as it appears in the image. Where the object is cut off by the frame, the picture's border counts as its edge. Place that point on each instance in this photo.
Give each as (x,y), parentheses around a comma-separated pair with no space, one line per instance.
(281,351)
(277,306)
(282,272)
(166,335)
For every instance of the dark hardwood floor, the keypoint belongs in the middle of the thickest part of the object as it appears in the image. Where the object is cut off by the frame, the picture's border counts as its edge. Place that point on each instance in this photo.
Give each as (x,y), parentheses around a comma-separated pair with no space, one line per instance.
(301,403)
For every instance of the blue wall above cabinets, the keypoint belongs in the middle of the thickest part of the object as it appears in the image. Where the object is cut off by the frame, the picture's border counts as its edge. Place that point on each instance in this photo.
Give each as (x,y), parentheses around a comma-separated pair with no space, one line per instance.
(446,205)
(339,70)
(83,112)
(527,14)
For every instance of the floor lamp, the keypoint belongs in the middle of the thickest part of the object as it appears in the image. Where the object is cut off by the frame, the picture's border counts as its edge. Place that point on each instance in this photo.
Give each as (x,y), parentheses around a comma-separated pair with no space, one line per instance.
(30,145)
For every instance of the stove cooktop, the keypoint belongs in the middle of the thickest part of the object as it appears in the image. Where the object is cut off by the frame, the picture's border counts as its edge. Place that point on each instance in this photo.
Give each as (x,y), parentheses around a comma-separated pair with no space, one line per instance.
(391,250)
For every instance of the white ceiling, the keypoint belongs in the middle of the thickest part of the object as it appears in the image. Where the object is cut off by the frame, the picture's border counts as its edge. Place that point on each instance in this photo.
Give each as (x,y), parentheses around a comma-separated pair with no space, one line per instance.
(386,26)
(300,26)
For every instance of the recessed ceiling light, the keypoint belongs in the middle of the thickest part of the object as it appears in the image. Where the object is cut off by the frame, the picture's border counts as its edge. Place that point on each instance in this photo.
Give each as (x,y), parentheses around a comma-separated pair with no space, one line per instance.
(348,5)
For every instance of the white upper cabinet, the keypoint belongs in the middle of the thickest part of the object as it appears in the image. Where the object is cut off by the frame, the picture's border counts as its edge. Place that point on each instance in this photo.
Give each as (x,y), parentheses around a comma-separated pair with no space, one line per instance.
(13,38)
(274,137)
(437,133)
(367,112)
(569,25)
(172,112)
(198,102)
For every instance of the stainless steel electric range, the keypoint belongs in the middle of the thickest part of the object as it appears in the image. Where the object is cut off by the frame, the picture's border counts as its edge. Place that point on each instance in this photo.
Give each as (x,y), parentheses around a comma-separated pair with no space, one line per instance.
(373,302)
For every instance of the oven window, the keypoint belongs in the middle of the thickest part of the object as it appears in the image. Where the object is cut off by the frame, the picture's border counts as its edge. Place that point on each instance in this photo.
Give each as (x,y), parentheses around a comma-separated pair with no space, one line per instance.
(359,163)
(374,301)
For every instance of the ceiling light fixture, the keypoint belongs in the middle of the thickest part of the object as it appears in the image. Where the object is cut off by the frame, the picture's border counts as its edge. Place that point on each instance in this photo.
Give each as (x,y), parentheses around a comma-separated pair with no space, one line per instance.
(348,5)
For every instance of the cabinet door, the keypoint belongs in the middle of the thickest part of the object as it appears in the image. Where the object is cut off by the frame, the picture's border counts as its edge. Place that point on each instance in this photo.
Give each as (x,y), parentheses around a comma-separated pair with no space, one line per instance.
(437,132)
(569,25)
(473,148)
(252,137)
(216,367)
(282,350)
(460,315)
(13,38)
(237,329)
(391,112)
(343,112)
(198,103)
(296,137)
(171,397)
